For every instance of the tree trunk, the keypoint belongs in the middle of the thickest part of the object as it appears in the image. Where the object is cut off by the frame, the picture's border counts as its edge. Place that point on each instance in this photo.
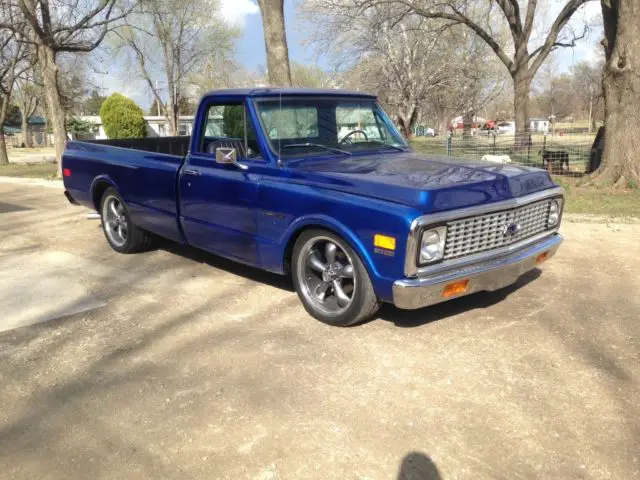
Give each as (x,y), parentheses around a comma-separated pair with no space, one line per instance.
(521,91)
(275,39)
(467,123)
(407,120)
(49,69)
(4,158)
(26,140)
(405,128)
(621,85)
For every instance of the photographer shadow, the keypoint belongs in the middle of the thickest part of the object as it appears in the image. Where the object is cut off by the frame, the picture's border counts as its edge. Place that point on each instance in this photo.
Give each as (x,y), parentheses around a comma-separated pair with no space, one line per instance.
(418,466)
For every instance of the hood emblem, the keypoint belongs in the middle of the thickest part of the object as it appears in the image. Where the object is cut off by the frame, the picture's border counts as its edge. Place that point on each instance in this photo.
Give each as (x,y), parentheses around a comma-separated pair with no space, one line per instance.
(512,229)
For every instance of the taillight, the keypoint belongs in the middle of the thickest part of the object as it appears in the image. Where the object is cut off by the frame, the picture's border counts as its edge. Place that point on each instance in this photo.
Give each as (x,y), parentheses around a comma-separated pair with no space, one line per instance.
(66,172)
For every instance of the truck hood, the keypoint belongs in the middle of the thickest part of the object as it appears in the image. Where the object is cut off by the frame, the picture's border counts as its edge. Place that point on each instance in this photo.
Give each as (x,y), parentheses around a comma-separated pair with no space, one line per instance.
(430,184)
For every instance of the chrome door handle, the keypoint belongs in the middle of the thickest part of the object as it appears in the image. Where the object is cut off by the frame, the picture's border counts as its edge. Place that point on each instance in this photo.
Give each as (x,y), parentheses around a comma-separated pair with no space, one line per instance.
(190,171)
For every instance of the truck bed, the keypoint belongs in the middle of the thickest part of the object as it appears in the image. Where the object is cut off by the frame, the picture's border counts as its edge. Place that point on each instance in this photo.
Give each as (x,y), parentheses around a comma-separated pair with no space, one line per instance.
(178,146)
(145,171)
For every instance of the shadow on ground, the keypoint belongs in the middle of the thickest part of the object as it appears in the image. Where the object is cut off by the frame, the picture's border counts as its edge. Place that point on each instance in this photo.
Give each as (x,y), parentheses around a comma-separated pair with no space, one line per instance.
(282,282)
(418,466)
(480,300)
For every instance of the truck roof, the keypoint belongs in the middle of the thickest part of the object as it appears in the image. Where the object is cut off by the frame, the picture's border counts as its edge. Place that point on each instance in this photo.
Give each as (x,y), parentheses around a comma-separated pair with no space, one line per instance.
(288,91)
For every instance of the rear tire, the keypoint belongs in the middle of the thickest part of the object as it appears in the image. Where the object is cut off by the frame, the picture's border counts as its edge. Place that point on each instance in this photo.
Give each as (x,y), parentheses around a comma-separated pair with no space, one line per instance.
(123,236)
(331,280)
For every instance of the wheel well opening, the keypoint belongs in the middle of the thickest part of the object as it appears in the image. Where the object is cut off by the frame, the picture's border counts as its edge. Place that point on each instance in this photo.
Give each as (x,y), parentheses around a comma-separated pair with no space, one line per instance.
(288,252)
(98,192)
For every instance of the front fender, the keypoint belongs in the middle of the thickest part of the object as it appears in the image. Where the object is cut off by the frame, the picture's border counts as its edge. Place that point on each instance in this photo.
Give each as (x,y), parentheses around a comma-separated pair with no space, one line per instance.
(335,226)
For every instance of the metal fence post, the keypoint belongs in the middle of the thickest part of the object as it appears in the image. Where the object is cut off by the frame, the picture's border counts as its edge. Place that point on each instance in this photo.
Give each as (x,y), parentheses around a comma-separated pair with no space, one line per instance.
(449,145)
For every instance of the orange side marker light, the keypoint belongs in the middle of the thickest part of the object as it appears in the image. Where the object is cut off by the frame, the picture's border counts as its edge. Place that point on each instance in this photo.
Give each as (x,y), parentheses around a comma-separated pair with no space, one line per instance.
(455,288)
(542,257)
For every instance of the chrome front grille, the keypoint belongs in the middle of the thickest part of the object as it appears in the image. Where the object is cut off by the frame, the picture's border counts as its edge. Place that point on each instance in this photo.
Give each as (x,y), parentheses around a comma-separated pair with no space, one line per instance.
(494,230)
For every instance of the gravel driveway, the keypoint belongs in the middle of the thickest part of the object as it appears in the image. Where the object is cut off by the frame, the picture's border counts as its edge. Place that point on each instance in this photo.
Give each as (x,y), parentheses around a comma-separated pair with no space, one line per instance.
(177,364)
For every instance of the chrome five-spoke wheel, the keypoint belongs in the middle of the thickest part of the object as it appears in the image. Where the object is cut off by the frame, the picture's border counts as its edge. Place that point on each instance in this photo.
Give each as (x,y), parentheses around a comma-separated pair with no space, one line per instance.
(327,276)
(331,280)
(115,221)
(121,233)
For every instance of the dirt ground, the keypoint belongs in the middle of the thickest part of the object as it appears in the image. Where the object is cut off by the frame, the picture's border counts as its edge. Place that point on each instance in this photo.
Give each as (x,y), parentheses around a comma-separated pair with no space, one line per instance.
(182,365)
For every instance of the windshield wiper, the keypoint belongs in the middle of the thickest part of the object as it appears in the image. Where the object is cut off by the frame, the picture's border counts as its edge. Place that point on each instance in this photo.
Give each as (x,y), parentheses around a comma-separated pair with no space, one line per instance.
(318,145)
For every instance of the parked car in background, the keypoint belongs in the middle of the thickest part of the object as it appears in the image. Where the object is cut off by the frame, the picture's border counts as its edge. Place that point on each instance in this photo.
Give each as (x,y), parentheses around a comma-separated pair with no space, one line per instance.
(503,128)
(270,178)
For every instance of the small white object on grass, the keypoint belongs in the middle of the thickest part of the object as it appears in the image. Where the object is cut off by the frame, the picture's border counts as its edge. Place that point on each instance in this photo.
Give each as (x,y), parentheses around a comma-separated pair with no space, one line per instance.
(496,158)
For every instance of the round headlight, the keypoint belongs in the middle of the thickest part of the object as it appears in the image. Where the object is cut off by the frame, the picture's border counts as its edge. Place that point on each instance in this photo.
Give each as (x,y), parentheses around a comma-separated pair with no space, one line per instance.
(432,245)
(554,214)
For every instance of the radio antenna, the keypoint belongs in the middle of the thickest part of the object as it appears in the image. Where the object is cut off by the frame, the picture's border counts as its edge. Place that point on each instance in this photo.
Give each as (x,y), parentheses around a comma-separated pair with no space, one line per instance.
(279,140)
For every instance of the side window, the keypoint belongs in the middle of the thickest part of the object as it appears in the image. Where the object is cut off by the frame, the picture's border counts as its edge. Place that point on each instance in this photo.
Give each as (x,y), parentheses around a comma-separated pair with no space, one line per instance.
(225,127)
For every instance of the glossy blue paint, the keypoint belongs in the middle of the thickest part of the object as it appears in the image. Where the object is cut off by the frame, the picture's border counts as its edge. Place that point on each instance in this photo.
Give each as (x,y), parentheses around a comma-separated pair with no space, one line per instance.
(253,216)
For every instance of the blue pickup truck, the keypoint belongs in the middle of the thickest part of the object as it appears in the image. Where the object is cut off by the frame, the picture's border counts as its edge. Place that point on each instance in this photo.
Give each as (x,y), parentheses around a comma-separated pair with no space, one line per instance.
(319,185)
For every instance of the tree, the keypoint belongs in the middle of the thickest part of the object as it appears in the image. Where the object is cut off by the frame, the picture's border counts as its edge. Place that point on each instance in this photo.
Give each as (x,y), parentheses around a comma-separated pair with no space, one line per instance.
(233,121)
(517,54)
(93,103)
(586,83)
(621,85)
(12,57)
(27,97)
(172,40)
(275,40)
(58,27)
(80,128)
(122,118)
(410,62)
(311,76)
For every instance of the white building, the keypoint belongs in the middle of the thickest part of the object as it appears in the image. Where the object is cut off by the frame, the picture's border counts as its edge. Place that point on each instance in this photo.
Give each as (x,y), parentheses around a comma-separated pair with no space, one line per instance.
(539,125)
(157,126)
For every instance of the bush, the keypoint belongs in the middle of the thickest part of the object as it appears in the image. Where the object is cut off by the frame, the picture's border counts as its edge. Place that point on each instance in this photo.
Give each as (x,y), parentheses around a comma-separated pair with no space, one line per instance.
(122,118)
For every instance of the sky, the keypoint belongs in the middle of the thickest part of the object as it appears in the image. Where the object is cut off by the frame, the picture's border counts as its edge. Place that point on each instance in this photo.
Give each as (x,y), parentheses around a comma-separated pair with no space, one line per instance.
(251,50)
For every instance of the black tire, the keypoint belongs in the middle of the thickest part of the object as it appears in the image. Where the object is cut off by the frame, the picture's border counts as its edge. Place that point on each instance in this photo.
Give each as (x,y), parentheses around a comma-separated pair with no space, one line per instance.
(136,240)
(363,302)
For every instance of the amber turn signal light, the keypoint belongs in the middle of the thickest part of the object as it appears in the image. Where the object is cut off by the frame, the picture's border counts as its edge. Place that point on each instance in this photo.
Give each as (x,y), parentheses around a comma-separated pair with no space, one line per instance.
(455,288)
(384,241)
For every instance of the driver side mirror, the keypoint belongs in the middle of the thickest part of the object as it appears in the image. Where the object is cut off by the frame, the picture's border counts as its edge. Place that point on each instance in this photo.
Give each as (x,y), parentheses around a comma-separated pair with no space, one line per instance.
(228,156)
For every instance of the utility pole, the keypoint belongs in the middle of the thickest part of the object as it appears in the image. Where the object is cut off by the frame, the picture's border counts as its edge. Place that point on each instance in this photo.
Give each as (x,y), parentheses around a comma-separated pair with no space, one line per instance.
(590,106)
(102,72)
(157,102)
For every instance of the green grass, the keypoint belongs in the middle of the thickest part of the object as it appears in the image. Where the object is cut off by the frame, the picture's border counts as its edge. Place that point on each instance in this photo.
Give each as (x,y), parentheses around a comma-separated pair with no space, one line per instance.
(36,170)
(607,202)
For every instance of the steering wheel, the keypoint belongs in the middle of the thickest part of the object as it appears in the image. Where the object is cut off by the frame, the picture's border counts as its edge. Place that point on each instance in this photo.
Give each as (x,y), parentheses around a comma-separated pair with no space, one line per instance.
(347,137)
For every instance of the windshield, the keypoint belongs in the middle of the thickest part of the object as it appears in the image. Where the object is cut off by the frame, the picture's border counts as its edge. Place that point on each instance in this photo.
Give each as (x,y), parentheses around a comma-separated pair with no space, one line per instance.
(299,126)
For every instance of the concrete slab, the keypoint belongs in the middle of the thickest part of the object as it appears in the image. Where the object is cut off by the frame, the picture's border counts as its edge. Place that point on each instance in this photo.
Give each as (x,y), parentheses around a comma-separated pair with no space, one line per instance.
(35,289)
(10,207)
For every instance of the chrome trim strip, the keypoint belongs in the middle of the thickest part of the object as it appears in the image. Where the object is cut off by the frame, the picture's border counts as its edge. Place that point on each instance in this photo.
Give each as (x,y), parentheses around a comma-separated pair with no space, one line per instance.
(490,275)
(411,269)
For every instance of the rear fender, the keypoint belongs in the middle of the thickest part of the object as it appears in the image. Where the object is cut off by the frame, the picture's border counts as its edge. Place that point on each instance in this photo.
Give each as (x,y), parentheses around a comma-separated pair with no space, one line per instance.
(98,186)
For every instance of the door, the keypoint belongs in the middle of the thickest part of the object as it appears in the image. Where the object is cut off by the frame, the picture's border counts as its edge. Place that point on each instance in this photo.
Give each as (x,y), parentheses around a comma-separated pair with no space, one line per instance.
(218,202)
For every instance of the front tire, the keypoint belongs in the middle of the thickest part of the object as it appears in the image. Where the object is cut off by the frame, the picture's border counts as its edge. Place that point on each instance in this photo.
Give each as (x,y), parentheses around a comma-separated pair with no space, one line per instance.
(331,280)
(123,236)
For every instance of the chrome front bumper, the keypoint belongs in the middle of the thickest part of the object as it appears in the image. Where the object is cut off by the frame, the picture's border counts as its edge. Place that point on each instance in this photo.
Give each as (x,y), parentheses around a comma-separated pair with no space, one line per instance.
(488,275)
